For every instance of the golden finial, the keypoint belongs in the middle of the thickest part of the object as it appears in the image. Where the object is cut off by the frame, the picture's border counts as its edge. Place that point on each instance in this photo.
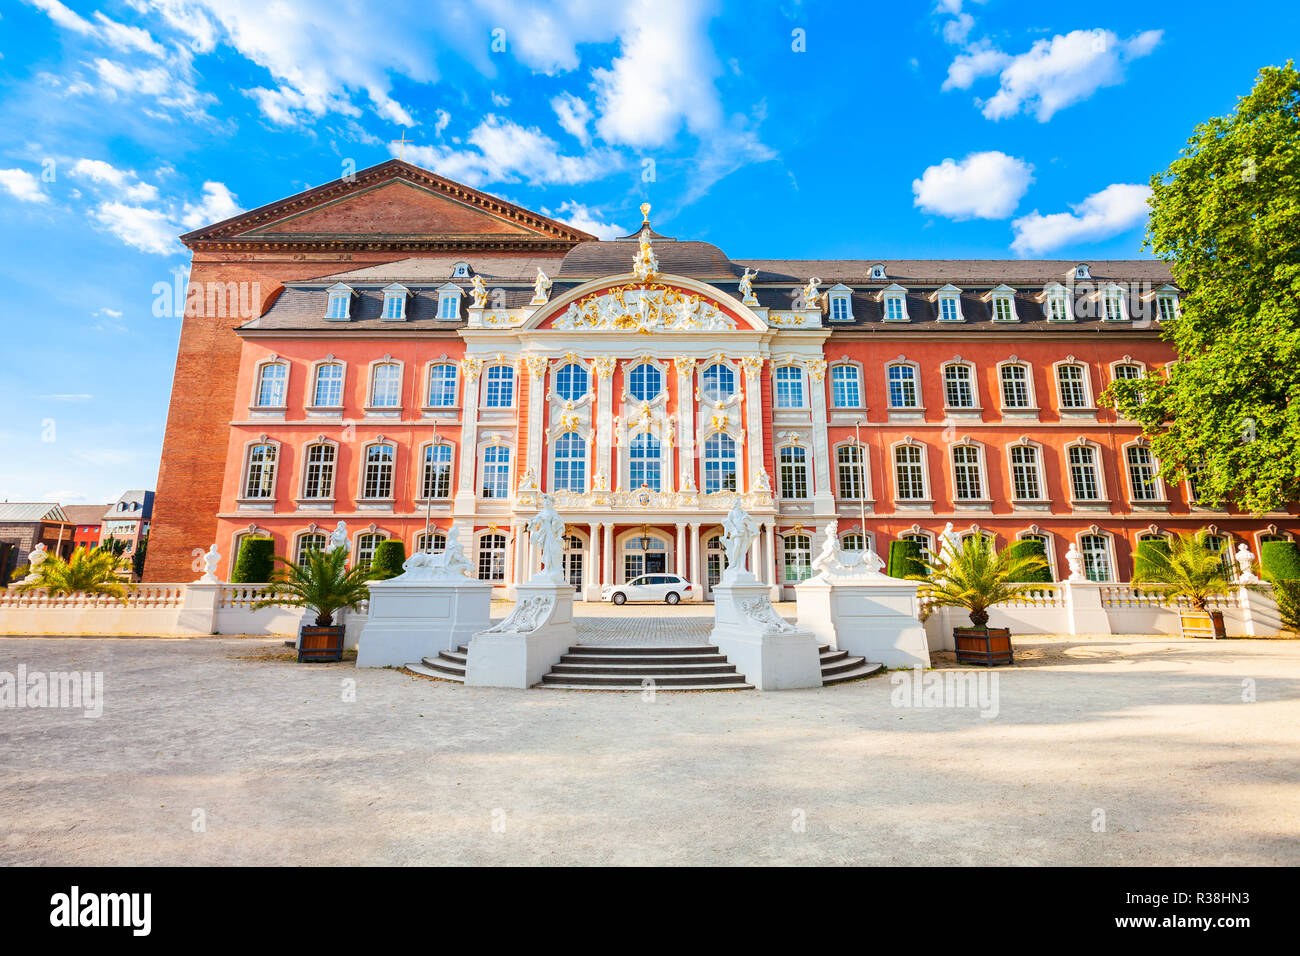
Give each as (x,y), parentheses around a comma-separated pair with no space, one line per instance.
(645,212)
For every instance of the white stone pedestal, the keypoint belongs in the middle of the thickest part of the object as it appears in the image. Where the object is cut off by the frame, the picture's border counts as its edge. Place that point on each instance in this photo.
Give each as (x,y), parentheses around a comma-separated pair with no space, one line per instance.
(875,619)
(529,642)
(411,620)
(771,653)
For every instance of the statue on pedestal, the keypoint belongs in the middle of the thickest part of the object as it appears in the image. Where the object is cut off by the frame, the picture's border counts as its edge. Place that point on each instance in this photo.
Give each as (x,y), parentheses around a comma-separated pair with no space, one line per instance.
(1246,565)
(339,537)
(541,288)
(449,564)
(834,563)
(747,287)
(739,531)
(1075,560)
(35,558)
(478,293)
(210,561)
(547,530)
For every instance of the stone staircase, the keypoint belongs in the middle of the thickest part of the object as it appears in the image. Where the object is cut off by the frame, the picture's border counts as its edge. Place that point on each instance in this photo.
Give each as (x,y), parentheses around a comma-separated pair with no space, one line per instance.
(695,667)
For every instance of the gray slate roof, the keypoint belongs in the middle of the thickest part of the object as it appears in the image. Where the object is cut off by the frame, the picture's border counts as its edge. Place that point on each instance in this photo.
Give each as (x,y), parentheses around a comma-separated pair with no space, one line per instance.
(31,511)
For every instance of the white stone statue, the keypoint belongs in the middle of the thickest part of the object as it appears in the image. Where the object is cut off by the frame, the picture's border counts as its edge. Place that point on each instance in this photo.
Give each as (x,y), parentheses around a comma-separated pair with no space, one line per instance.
(1075,561)
(747,287)
(210,567)
(528,481)
(541,288)
(478,292)
(547,530)
(449,564)
(739,532)
(829,555)
(949,544)
(1246,565)
(836,564)
(35,558)
(763,483)
(811,297)
(339,537)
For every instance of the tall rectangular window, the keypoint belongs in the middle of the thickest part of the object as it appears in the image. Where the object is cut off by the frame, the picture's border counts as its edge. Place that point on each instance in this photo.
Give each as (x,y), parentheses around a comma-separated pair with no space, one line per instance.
(261,472)
(1070,379)
(449,306)
(846,387)
(968,484)
(1114,302)
(500,386)
(840,309)
(909,474)
(645,462)
(789,386)
(435,478)
(850,471)
(957,389)
(793,471)
(496,471)
(1015,386)
(895,308)
(797,550)
(948,309)
(1096,557)
(442,386)
(1168,308)
(270,385)
(1004,309)
(319,479)
(1084,485)
(720,464)
(394,305)
(570,453)
(1142,473)
(386,385)
(902,386)
(492,557)
(377,476)
(1058,307)
(1024,473)
(338,305)
(328,392)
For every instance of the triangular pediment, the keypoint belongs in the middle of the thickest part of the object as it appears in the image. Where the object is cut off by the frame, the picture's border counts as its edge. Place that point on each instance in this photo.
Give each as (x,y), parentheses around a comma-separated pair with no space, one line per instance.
(393,204)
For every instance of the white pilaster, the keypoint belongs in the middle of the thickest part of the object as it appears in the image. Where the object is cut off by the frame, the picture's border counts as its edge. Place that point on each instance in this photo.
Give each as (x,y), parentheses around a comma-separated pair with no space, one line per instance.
(697,563)
(823,496)
(536,370)
(466,492)
(682,564)
(607,558)
(753,424)
(593,562)
(685,424)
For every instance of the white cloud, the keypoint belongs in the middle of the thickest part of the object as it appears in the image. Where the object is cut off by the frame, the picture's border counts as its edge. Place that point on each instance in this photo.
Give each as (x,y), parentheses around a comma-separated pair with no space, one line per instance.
(978,60)
(1117,208)
(148,230)
(956,31)
(218,203)
(124,182)
(115,34)
(986,185)
(574,115)
(500,100)
(1054,73)
(580,217)
(170,85)
(662,77)
(505,152)
(22,185)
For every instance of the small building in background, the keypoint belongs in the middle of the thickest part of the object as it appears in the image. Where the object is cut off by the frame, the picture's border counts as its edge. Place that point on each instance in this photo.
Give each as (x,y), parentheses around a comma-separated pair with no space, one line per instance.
(127,519)
(88,523)
(24,525)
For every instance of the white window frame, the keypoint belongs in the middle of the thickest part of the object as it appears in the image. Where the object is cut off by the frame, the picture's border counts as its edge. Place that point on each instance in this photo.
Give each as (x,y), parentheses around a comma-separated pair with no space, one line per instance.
(483,470)
(1109,552)
(449,293)
(735,462)
(370,384)
(1005,295)
(895,292)
(363,463)
(455,383)
(1157,491)
(631,369)
(273,362)
(856,369)
(981,465)
(398,294)
(1029,387)
(948,295)
(1099,472)
(916,386)
(481,551)
(1113,292)
(1086,380)
(863,467)
(320,442)
(1055,292)
(926,496)
(839,296)
(487,385)
(328,361)
(799,381)
(795,466)
(425,464)
(1040,475)
(243,494)
(580,460)
(972,383)
(338,293)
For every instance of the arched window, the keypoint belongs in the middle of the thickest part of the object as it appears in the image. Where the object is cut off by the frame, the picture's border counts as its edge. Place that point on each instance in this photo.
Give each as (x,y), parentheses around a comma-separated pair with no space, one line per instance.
(500,387)
(430,541)
(492,557)
(1143,483)
(1085,484)
(1015,386)
(271,379)
(968,482)
(793,471)
(1096,556)
(496,471)
(318,480)
(797,551)
(1025,481)
(957,389)
(570,462)
(909,472)
(377,475)
(846,386)
(328,389)
(853,541)
(435,477)
(719,382)
(644,462)
(571,382)
(921,540)
(366,545)
(720,463)
(850,471)
(442,385)
(311,541)
(902,386)
(645,382)
(261,471)
(789,386)
(386,385)
(1071,381)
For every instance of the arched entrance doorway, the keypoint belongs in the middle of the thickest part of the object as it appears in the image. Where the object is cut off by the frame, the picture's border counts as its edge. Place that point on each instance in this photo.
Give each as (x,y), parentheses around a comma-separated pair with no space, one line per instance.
(643,551)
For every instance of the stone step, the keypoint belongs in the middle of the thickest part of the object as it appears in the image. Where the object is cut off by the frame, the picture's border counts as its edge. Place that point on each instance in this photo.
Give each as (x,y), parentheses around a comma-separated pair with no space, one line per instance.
(649,660)
(830,657)
(639,687)
(424,670)
(633,681)
(845,663)
(600,649)
(859,671)
(648,670)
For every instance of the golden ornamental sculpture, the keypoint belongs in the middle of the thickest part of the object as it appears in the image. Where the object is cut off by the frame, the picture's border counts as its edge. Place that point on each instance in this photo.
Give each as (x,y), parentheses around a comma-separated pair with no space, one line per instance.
(816,369)
(753,364)
(685,366)
(646,265)
(650,308)
(604,365)
(470,367)
(536,365)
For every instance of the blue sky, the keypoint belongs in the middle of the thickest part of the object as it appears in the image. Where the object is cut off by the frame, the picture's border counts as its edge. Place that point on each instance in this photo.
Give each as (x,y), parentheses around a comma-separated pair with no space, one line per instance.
(931,130)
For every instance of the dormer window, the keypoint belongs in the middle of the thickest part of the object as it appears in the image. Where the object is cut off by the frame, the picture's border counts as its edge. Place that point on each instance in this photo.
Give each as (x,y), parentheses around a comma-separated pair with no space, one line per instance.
(1003,302)
(949,299)
(877,271)
(449,302)
(1056,303)
(1081,271)
(460,271)
(1167,307)
(395,302)
(340,302)
(894,298)
(841,303)
(1112,300)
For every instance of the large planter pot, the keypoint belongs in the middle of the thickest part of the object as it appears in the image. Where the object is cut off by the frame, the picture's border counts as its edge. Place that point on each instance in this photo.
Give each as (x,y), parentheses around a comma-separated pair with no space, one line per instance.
(1202,624)
(318,645)
(983,645)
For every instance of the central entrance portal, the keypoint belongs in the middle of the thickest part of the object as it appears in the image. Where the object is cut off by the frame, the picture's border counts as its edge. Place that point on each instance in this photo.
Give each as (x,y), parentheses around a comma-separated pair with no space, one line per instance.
(644,552)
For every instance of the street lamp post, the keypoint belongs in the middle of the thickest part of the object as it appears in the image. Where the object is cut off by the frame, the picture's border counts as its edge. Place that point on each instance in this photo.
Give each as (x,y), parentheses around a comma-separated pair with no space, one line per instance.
(862,481)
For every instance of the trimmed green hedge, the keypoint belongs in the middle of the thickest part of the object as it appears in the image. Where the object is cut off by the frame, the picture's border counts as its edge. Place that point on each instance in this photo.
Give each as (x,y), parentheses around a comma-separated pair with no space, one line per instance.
(1142,555)
(1287,595)
(1031,548)
(255,561)
(904,559)
(387,562)
(1280,561)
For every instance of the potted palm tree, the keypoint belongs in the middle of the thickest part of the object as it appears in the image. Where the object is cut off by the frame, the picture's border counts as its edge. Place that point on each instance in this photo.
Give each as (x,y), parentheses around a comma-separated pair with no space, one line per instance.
(976,577)
(1188,569)
(88,571)
(322,583)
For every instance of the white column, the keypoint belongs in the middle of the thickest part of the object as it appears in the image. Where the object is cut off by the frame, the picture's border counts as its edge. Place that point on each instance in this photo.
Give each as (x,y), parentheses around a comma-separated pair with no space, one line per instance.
(685,423)
(754,424)
(697,563)
(593,562)
(772,577)
(682,565)
(536,371)
(605,428)
(823,498)
(607,558)
(517,575)
(466,493)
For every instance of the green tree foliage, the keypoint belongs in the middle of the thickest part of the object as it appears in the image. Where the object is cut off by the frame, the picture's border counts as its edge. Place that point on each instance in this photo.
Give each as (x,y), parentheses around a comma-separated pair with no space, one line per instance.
(114,546)
(1032,549)
(1280,560)
(322,583)
(1287,595)
(387,562)
(977,578)
(88,571)
(1188,568)
(1226,216)
(138,557)
(255,562)
(904,559)
(1150,554)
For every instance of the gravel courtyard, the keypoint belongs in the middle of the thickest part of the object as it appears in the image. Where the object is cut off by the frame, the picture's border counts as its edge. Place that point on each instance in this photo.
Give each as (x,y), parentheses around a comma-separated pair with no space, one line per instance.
(283,763)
